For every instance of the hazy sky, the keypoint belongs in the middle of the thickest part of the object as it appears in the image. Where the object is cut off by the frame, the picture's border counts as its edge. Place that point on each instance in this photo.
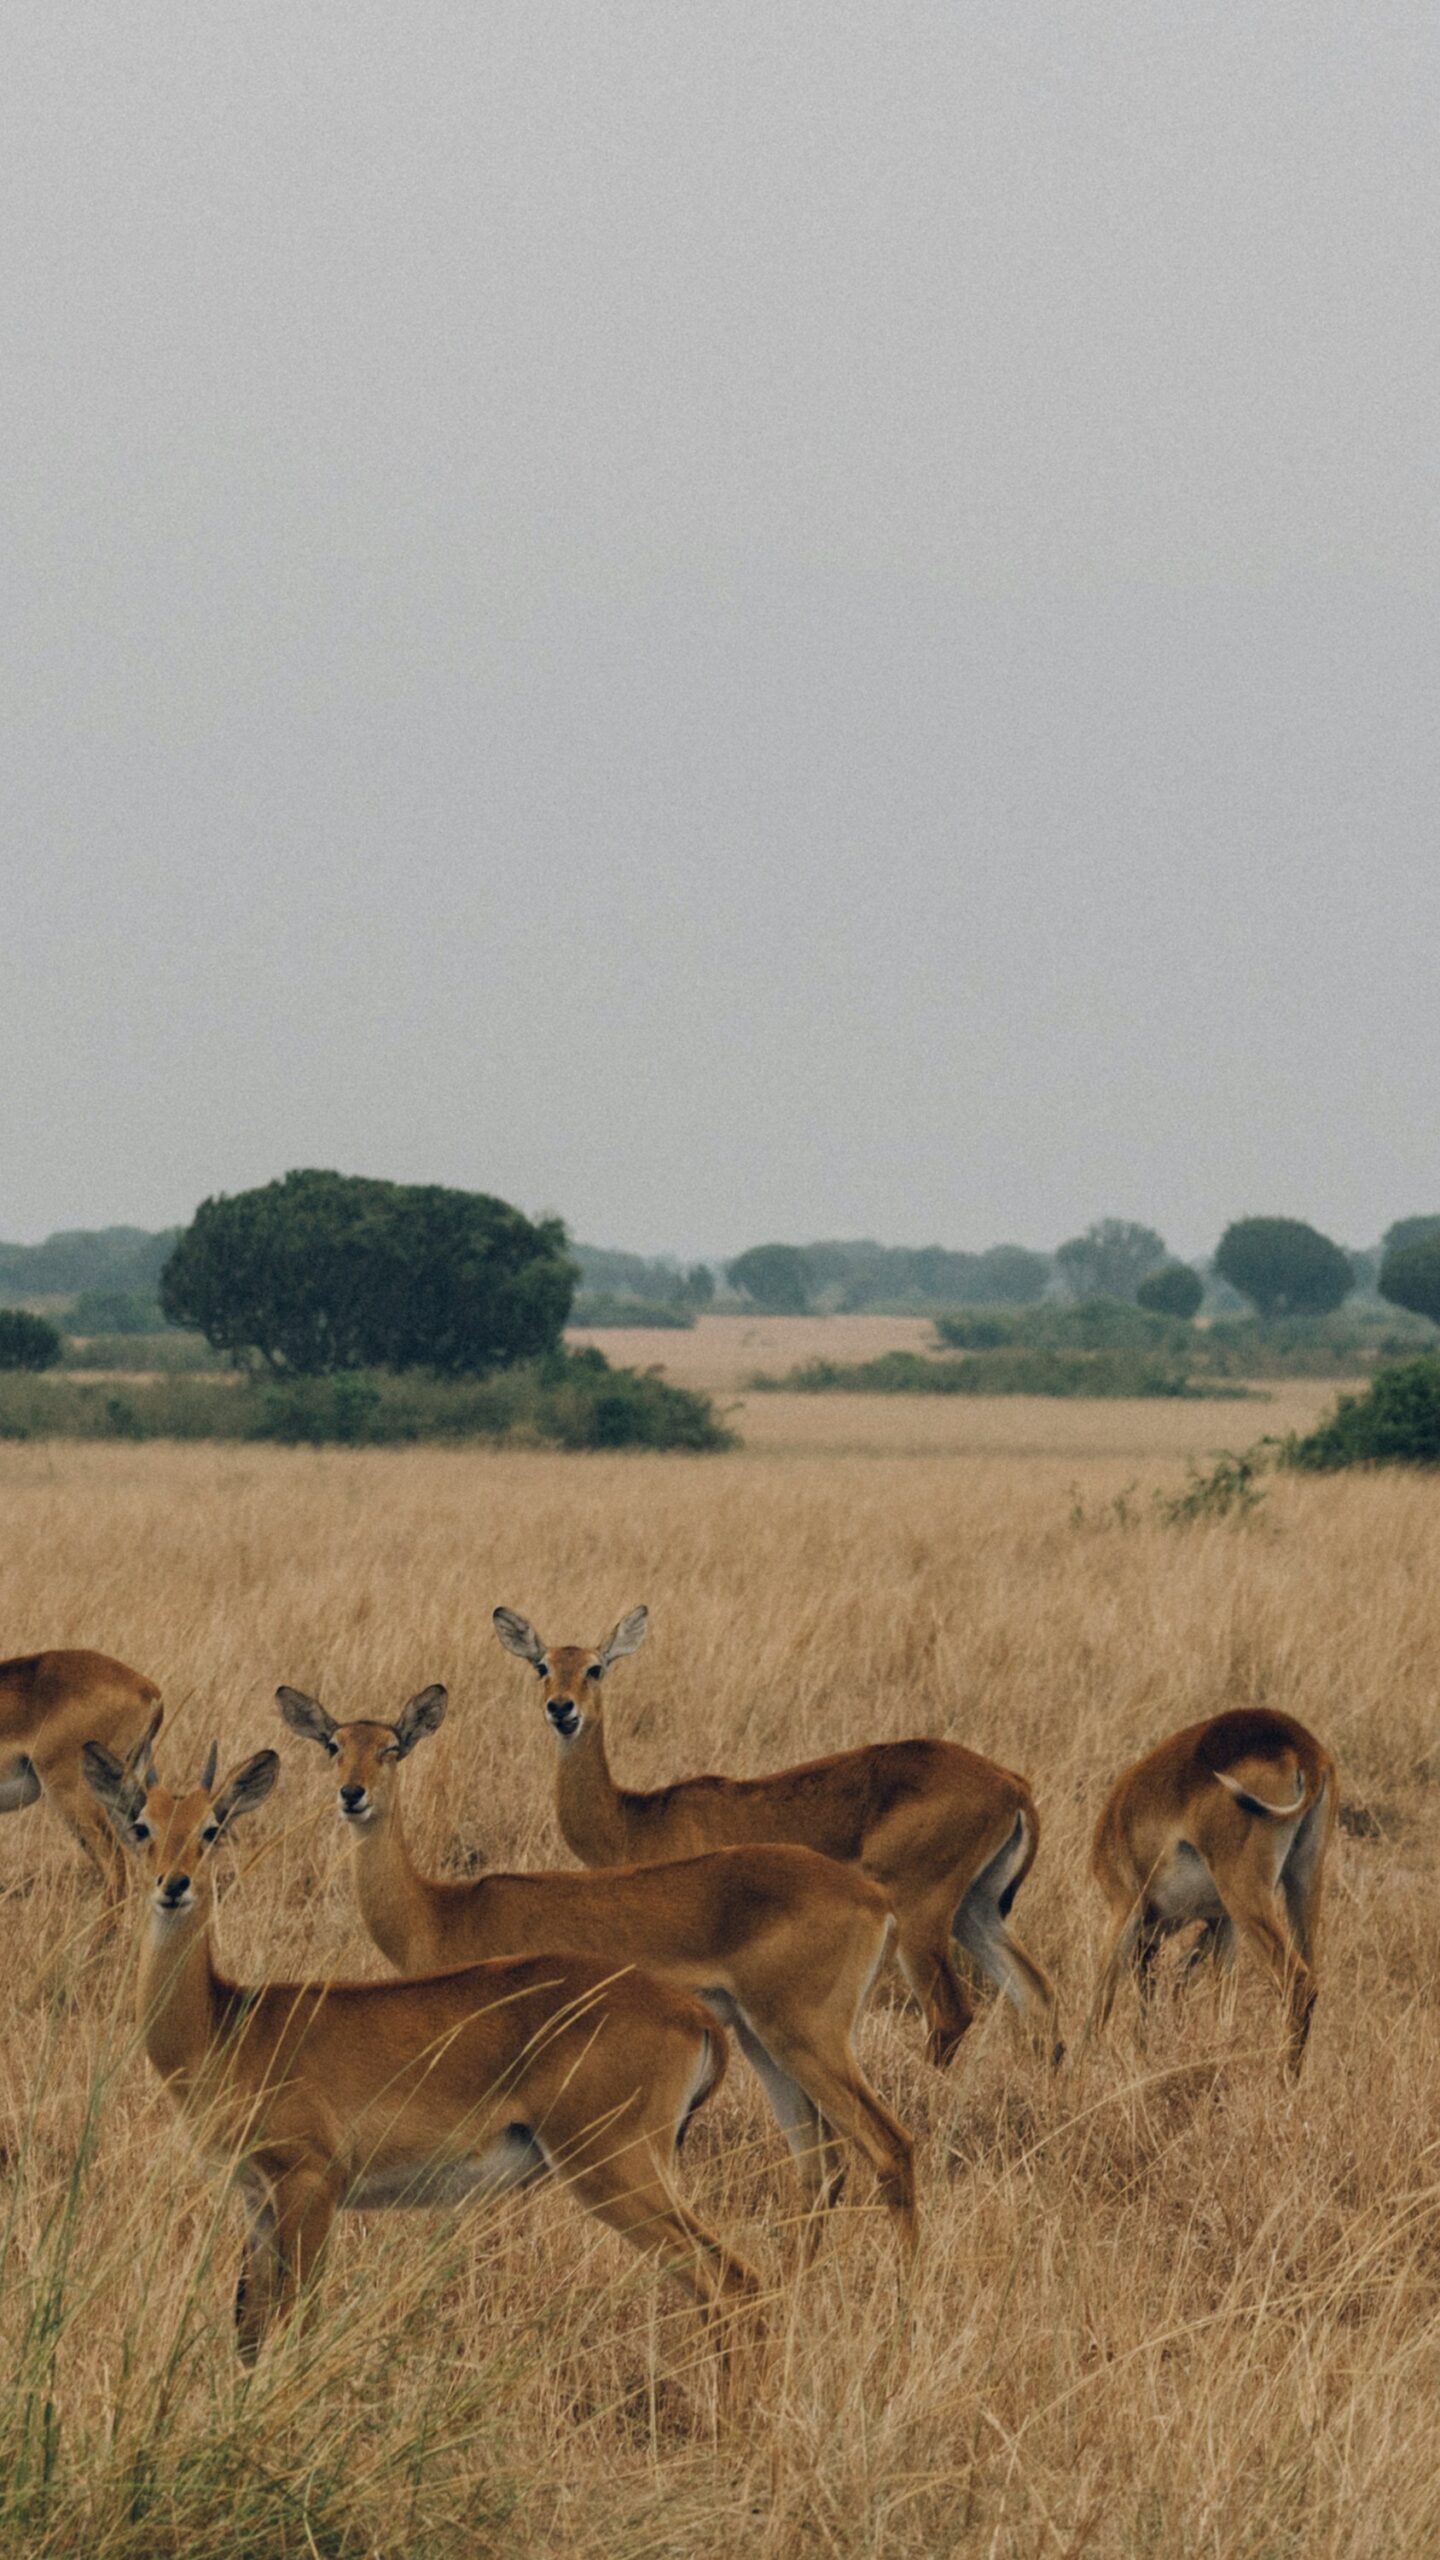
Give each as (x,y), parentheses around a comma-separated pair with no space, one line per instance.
(780,620)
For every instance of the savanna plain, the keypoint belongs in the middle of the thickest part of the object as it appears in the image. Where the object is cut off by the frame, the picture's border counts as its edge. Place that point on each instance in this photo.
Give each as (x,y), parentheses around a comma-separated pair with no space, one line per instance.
(1163,2303)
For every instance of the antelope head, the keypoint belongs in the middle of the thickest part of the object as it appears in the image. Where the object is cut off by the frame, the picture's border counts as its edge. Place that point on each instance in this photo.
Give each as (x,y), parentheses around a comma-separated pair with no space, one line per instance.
(571,1673)
(173,1835)
(366,1756)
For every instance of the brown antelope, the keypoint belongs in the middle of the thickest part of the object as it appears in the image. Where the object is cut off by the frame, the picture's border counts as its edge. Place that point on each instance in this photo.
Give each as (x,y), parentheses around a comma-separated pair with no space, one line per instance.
(948,1836)
(781,1944)
(51,1704)
(316,2096)
(1227,1823)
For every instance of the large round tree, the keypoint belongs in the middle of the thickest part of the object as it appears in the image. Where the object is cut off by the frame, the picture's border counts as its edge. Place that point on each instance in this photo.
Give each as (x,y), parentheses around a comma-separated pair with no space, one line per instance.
(1410,1275)
(1284,1267)
(324,1271)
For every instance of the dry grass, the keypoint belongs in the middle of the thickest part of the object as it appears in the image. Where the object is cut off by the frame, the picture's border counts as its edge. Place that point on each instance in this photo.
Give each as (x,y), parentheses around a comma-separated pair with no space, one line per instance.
(1163,2306)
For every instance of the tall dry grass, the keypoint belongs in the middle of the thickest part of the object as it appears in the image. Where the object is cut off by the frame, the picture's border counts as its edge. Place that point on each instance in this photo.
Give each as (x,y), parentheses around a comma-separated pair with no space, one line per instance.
(1162,2306)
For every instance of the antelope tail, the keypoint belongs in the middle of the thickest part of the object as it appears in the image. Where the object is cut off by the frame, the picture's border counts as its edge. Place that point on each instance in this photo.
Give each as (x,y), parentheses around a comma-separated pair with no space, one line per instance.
(1257,1804)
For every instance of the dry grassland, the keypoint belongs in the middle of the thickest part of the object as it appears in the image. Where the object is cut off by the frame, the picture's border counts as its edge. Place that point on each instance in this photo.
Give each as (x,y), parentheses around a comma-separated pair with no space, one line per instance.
(1163,2306)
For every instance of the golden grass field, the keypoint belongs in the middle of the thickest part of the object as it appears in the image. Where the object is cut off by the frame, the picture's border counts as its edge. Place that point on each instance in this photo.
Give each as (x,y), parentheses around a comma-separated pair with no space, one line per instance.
(1162,2306)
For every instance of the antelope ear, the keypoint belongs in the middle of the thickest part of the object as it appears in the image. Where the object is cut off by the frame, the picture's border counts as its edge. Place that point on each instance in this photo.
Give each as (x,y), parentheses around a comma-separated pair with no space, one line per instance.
(247,1786)
(116,1785)
(518,1636)
(628,1637)
(305,1716)
(139,1754)
(425,1713)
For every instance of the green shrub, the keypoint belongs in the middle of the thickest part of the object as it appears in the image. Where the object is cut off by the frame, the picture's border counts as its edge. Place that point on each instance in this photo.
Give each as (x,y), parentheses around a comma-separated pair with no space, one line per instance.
(978,1328)
(26,1341)
(1173,1290)
(1016,1371)
(1396,1422)
(570,1400)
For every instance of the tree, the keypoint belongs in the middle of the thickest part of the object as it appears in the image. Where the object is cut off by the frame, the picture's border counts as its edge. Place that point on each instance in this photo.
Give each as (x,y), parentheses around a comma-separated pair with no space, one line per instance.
(697,1289)
(1284,1267)
(1110,1260)
(776,1276)
(1407,1231)
(26,1341)
(1010,1275)
(325,1271)
(1410,1273)
(116,1311)
(1173,1290)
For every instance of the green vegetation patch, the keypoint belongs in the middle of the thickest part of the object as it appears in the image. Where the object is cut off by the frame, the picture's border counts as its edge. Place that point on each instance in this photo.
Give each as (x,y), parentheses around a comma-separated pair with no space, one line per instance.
(603,1308)
(568,1400)
(1396,1422)
(1015,1371)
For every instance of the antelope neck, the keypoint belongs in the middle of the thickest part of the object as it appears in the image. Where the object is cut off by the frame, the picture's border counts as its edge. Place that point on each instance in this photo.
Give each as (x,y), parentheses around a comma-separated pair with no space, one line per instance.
(398,1905)
(587,1799)
(177,1991)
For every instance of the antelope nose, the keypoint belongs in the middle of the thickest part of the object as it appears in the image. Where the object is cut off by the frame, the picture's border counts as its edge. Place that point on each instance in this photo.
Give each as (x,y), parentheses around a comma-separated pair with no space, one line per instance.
(351,1799)
(174,1889)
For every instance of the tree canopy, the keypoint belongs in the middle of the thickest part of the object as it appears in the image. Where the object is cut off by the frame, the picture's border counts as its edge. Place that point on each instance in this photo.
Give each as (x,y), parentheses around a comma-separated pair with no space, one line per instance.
(325,1271)
(776,1276)
(1284,1267)
(1410,1272)
(1173,1290)
(1110,1260)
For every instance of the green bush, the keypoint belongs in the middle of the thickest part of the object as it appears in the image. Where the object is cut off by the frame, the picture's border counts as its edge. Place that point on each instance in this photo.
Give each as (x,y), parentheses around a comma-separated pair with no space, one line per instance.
(1173,1290)
(570,1400)
(1096,1324)
(978,1328)
(1016,1371)
(1396,1422)
(26,1341)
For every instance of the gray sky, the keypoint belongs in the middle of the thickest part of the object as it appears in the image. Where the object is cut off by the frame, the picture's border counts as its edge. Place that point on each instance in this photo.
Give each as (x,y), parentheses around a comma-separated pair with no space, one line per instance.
(737,620)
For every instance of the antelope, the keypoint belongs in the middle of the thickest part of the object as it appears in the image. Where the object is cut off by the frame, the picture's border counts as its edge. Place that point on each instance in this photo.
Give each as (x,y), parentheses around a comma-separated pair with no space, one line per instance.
(50,1705)
(949,1837)
(319,2096)
(779,1943)
(1227,1823)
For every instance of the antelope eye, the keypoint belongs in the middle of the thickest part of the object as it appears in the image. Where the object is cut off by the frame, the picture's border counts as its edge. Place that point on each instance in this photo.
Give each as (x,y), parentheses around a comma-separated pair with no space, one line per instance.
(210,1831)
(542,1670)
(332,1747)
(391,1751)
(592,1670)
(139,1828)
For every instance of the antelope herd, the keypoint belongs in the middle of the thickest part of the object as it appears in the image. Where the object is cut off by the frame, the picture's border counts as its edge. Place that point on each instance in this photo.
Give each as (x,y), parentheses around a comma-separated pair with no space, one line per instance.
(569,2024)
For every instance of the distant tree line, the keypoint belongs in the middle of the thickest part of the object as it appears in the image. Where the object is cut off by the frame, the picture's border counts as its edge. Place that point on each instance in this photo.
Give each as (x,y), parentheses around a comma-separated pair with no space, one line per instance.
(326,1271)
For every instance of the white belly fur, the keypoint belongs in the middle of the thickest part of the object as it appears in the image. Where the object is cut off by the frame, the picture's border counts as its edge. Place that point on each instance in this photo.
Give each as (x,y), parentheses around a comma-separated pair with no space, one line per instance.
(1183,1889)
(511,2160)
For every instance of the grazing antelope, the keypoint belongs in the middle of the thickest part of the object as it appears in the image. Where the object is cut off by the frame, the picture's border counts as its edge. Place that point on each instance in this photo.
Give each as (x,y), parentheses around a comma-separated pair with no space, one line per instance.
(1227,1823)
(51,1704)
(316,2096)
(781,1944)
(948,1836)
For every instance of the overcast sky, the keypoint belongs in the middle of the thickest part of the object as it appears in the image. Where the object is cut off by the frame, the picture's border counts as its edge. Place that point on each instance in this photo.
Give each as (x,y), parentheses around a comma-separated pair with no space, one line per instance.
(740,621)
